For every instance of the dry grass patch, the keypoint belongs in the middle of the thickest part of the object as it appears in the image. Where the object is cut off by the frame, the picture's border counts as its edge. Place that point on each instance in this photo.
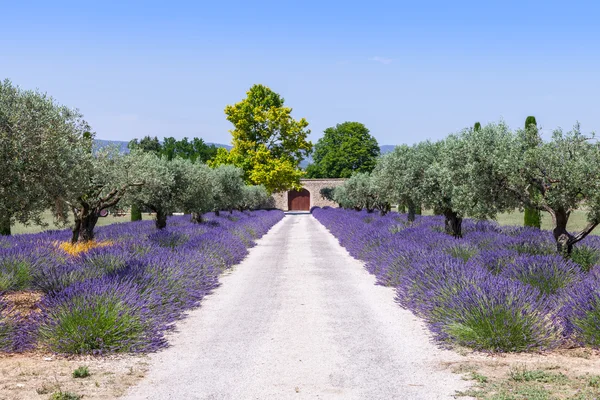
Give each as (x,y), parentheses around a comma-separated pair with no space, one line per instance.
(23,302)
(563,374)
(39,376)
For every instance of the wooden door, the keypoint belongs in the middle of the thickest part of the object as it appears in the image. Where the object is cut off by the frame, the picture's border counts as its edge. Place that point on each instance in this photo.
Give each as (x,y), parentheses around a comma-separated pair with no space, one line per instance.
(299,200)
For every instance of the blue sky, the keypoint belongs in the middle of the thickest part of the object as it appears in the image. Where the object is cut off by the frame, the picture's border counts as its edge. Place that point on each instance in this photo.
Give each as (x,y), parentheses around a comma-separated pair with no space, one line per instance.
(408,70)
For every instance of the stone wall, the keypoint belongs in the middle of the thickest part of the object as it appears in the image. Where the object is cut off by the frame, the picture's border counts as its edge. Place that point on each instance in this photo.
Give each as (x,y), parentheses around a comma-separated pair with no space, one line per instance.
(313,186)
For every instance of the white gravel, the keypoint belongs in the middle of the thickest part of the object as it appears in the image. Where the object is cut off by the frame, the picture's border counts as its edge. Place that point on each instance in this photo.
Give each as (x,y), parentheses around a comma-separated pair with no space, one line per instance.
(300,319)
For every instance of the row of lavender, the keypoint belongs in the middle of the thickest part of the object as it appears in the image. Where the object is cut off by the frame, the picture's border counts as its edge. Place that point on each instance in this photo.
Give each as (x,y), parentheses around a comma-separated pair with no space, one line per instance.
(124,292)
(496,289)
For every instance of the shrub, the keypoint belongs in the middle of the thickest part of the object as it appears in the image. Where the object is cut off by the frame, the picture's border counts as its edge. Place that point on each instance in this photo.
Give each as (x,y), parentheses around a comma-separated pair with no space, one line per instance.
(495,260)
(497,315)
(81,372)
(548,274)
(168,238)
(462,251)
(60,395)
(16,267)
(581,312)
(586,257)
(97,316)
(106,260)
(533,242)
(432,280)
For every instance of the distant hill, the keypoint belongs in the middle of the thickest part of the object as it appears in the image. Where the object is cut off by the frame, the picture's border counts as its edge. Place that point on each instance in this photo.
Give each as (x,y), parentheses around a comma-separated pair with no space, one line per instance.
(123,145)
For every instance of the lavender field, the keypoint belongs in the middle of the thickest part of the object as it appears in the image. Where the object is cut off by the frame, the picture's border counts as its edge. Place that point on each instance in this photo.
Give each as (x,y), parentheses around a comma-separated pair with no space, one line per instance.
(500,289)
(122,292)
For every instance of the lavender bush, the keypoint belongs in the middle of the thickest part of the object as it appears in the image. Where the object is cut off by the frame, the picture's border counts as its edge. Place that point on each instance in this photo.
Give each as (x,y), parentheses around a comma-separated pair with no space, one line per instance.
(495,289)
(121,296)
(581,312)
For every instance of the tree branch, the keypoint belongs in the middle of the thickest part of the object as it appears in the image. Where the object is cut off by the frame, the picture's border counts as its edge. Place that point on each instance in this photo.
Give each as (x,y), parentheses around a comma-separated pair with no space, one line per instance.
(586,231)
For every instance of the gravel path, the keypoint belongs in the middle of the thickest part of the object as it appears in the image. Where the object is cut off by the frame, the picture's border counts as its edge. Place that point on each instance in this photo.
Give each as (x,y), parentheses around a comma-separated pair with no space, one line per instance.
(299,319)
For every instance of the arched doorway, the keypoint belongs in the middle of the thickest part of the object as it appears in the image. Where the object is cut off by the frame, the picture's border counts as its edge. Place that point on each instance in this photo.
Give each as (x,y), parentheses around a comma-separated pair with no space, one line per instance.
(299,200)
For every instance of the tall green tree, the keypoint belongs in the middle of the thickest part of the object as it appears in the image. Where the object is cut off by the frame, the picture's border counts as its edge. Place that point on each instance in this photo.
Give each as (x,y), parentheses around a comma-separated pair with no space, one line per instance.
(532,217)
(41,144)
(477,126)
(268,143)
(170,148)
(343,150)
(147,144)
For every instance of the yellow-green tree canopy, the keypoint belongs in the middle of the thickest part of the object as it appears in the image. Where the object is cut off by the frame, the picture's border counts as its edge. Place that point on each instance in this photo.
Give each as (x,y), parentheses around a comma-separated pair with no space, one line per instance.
(268,144)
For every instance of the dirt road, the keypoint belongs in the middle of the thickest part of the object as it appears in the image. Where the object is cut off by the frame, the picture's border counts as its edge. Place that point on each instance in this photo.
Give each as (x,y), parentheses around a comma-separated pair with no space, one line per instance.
(299,319)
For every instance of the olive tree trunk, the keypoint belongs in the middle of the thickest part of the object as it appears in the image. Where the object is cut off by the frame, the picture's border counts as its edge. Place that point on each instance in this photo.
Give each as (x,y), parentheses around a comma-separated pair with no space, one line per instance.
(83,228)
(411,211)
(453,224)
(161,219)
(565,240)
(196,217)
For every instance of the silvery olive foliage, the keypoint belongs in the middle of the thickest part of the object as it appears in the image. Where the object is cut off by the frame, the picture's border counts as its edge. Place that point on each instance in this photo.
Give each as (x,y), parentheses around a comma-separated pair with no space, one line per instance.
(163,181)
(197,197)
(565,173)
(360,191)
(254,197)
(97,182)
(399,175)
(41,144)
(228,184)
(480,173)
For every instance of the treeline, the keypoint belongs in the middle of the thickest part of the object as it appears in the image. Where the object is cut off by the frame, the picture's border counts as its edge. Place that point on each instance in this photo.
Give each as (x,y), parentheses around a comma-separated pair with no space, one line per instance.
(485,170)
(48,162)
(171,148)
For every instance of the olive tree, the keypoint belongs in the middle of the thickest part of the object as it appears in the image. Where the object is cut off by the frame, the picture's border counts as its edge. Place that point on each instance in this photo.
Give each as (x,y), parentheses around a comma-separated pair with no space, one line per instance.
(197,197)
(98,182)
(162,183)
(399,175)
(253,197)
(463,174)
(360,192)
(559,177)
(41,143)
(228,187)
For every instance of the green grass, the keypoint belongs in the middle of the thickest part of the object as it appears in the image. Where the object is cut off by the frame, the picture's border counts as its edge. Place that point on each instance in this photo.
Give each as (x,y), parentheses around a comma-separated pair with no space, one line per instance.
(81,372)
(60,395)
(20,228)
(521,383)
(577,221)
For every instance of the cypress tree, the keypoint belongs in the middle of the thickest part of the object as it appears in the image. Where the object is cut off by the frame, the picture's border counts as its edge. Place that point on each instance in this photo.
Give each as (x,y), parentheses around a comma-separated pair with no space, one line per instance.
(136,213)
(477,126)
(532,217)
